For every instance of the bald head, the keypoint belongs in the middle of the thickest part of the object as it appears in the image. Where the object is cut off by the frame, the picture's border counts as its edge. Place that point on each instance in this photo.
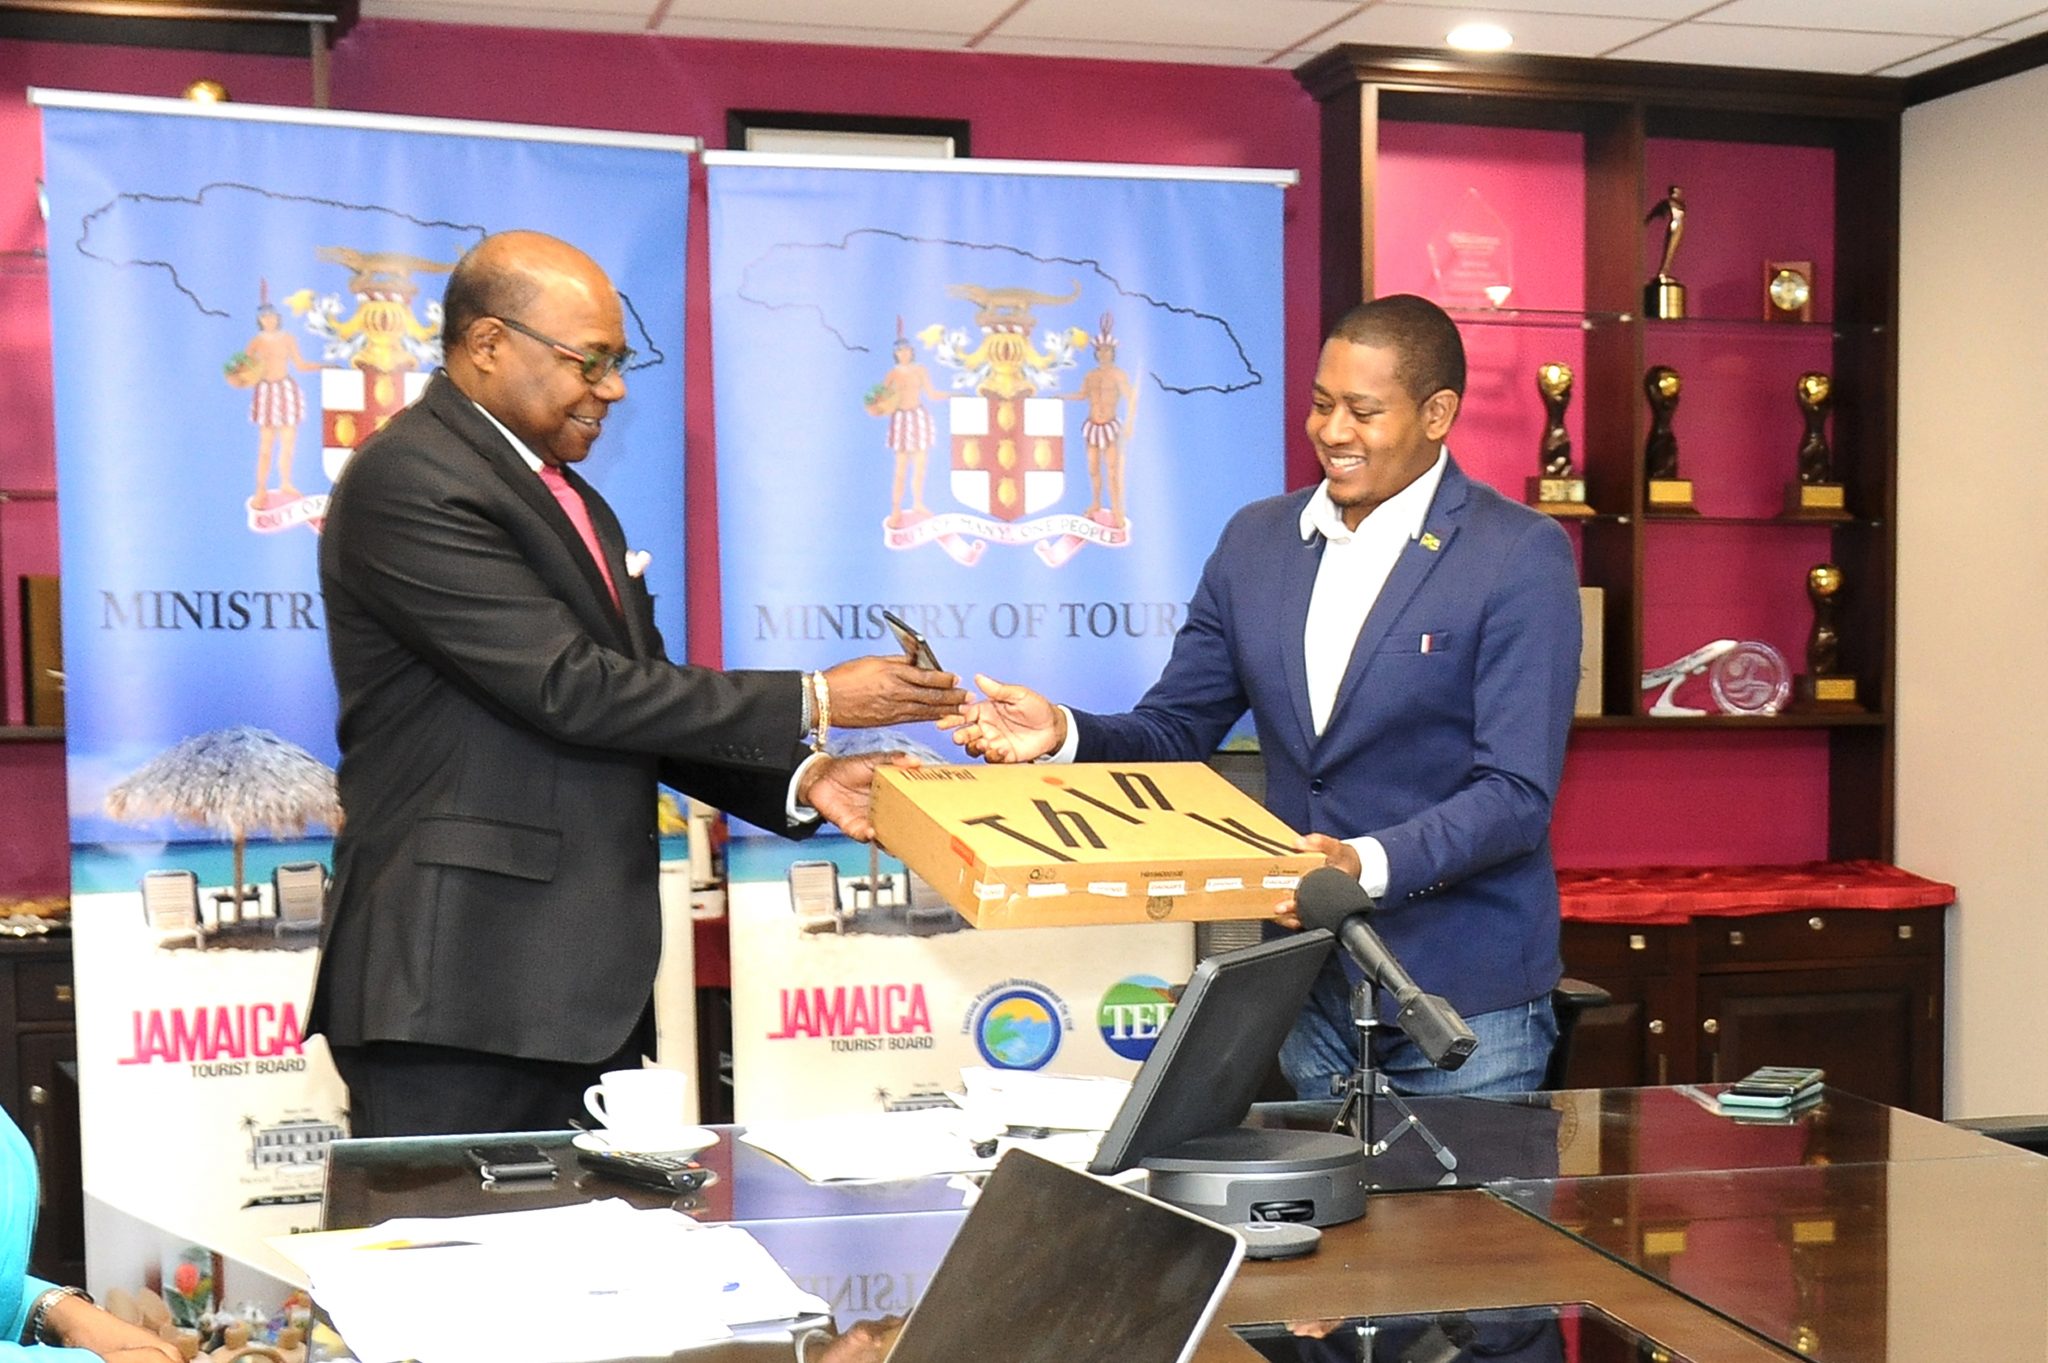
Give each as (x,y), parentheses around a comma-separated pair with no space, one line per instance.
(501,276)
(522,317)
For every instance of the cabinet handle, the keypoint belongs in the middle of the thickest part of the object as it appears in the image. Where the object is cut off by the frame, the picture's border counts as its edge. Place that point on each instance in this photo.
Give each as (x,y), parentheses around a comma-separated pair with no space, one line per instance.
(1638,942)
(1735,938)
(1656,1026)
(1714,1068)
(1816,922)
(39,1100)
(1905,932)
(63,993)
(1712,1027)
(1663,1069)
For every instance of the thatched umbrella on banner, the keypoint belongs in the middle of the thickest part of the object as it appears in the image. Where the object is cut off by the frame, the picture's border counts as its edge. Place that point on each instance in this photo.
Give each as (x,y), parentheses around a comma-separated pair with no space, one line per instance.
(234,781)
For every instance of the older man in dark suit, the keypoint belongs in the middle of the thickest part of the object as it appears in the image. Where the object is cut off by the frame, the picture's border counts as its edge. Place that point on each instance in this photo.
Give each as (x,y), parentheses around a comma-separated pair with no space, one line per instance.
(506,711)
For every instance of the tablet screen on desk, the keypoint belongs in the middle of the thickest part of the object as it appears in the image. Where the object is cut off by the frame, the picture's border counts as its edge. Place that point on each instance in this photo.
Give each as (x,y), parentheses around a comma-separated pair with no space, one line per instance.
(1053,1266)
(1215,1048)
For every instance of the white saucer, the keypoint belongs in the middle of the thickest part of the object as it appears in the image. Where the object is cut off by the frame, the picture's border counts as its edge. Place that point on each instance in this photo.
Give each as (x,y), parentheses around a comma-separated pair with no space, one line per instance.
(684,1140)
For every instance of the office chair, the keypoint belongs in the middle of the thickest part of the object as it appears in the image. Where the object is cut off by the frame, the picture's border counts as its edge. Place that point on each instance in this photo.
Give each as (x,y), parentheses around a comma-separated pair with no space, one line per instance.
(170,904)
(299,891)
(1569,1000)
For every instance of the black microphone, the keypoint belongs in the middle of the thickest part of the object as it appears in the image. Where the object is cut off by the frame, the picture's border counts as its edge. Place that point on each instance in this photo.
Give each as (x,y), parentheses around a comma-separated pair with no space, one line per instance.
(1328,898)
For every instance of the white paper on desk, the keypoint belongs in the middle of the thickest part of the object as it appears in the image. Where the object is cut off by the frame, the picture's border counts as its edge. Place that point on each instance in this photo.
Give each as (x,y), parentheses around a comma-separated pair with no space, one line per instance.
(1064,1102)
(875,1145)
(593,1281)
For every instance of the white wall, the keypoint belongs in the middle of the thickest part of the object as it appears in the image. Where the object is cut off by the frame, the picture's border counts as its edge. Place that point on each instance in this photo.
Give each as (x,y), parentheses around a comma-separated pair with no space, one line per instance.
(1973,569)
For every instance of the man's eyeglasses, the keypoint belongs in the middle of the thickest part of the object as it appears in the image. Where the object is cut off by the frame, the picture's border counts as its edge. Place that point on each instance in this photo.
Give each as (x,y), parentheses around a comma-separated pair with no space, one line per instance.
(595,365)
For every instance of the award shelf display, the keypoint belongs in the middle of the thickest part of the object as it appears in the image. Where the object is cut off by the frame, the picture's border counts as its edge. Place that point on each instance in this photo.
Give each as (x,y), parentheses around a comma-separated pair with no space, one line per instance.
(1664,296)
(1669,494)
(1816,495)
(1824,686)
(1556,490)
(1054,846)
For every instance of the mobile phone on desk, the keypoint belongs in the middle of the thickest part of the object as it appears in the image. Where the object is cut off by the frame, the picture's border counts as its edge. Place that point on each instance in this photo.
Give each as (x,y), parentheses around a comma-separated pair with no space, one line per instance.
(913,643)
(1777,1081)
(510,1161)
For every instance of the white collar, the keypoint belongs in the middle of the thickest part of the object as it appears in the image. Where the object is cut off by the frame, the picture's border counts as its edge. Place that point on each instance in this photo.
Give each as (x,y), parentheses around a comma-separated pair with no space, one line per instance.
(533,461)
(1405,511)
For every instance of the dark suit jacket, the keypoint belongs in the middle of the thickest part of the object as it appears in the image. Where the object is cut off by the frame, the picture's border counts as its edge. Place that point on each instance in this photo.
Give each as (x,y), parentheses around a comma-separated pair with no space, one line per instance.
(1450,756)
(502,728)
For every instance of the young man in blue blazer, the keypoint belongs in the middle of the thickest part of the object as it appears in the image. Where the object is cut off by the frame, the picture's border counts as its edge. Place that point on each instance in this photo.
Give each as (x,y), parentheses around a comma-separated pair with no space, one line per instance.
(1407,641)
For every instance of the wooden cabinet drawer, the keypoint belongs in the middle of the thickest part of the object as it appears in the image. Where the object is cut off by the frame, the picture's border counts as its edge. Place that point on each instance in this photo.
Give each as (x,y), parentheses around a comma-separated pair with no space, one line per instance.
(42,991)
(1818,934)
(1592,950)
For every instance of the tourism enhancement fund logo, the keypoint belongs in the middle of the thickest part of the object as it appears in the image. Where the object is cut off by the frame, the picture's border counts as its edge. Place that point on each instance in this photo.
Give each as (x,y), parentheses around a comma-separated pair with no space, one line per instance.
(1132,1013)
(1018,1024)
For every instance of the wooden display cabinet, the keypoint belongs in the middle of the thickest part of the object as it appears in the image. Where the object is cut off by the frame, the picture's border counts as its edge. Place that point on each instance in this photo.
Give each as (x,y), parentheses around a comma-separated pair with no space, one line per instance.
(1570,155)
(39,1085)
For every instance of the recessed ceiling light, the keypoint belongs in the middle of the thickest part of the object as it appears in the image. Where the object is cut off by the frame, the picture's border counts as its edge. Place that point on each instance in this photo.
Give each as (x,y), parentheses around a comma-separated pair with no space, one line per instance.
(1480,38)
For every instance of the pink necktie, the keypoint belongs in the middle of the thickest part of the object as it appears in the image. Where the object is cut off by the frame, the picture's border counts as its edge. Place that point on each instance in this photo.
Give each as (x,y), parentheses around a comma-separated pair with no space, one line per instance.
(579,516)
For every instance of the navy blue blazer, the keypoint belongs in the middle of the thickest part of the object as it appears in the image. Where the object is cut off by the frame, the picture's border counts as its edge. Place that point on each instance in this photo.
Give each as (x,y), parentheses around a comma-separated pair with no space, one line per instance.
(1447,751)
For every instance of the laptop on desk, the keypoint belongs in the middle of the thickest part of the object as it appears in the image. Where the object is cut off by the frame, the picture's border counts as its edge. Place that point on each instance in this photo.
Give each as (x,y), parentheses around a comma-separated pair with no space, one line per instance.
(1053,1266)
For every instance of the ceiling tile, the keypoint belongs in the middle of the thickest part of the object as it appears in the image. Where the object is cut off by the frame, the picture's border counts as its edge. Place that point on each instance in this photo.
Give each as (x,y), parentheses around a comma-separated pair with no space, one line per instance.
(1944,18)
(1124,52)
(677,26)
(1664,11)
(965,17)
(2025,28)
(1559,35)
(1793,49)
(600,16)
(1267,25)
(1956,51)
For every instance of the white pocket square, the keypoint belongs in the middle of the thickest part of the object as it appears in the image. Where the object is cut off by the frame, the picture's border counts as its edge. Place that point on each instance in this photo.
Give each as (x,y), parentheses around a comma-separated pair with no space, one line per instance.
(637,561)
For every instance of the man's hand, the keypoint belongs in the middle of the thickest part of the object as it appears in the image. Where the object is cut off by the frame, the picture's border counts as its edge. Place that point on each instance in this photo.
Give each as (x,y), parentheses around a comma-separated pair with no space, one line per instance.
(1341,855)
(866,693)
(842,790)
(81,1325)
(1014,724)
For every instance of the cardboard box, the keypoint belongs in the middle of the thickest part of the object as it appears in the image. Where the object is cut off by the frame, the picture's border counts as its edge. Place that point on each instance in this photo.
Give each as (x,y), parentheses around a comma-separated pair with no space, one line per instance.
(1055,845)
(1592,649)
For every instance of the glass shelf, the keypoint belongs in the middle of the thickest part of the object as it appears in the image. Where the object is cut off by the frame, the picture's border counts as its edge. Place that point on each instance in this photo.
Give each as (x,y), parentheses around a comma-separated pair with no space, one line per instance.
(1746,328)
(1791,719)
(31,733)
(1657,518)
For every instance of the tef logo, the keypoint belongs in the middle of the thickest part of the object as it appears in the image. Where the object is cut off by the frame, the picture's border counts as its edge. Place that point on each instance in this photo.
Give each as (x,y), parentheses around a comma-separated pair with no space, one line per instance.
(1131,1014)
(1018,1028)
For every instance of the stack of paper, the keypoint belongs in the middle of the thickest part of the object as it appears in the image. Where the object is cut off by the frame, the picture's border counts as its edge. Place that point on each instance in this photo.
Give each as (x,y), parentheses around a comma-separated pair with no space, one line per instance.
(998,1112)
(597,1280)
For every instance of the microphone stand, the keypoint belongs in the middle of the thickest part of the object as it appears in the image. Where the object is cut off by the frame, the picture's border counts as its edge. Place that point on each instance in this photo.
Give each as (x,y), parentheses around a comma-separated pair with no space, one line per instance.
(1367,1083)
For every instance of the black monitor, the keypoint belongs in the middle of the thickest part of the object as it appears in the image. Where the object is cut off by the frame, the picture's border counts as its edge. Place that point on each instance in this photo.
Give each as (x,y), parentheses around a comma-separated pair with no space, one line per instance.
(1215,1049)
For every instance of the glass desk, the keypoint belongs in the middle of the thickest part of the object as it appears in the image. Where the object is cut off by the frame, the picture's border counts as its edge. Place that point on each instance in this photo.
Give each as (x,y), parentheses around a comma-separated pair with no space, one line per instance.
(1851,1233)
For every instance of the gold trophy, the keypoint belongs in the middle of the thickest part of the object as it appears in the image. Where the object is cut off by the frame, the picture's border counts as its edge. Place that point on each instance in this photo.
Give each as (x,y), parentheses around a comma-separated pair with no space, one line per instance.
(1815,495)
(1556,491)
(1663,296)
(1670,495)
(1823,687)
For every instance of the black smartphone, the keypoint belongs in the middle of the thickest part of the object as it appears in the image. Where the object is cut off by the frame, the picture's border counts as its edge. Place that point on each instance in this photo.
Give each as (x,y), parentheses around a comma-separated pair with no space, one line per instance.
(913,643)
(509,1161)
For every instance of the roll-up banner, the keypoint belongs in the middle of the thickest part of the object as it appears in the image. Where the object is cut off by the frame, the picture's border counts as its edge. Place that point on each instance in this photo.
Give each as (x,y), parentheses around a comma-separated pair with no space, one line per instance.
(239,296)
(1012,403)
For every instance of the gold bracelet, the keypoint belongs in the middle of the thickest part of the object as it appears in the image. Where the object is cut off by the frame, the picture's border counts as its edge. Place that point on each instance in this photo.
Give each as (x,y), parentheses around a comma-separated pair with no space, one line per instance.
(822,695)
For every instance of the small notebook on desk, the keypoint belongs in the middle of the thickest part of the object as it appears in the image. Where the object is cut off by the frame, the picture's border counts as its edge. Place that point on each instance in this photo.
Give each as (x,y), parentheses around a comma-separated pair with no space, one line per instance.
(1054,1266)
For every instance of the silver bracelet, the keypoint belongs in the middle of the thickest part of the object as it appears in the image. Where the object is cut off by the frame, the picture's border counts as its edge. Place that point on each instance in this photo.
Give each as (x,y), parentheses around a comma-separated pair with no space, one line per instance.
(38,1331)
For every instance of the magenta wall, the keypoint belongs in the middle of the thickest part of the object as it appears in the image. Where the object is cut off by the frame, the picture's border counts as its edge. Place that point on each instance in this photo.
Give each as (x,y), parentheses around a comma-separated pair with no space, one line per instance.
(1629,797)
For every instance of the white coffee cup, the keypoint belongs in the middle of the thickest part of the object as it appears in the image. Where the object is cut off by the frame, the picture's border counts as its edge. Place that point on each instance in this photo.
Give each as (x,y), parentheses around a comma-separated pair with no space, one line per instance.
(639,1108)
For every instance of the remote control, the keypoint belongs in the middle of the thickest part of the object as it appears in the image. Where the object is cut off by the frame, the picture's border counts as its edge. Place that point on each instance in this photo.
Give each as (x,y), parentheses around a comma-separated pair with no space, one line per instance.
(669,1173)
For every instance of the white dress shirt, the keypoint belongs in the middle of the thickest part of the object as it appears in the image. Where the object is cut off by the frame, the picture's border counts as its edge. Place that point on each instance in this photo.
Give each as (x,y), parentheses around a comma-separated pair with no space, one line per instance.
(1349,578)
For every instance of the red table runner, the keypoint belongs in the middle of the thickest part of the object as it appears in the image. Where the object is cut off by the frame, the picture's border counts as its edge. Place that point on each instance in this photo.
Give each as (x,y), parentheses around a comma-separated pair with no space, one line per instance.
(1676,894)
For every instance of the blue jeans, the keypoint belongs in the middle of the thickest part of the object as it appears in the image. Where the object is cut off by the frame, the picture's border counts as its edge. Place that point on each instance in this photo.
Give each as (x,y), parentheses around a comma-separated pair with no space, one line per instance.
(1514,1048)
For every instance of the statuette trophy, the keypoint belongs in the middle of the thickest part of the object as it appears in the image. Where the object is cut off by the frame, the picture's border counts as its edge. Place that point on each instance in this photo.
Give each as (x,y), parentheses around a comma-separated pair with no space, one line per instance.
(1664,296)
(1815,495)
(1825,687)
(1670,495)
(1556,490)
